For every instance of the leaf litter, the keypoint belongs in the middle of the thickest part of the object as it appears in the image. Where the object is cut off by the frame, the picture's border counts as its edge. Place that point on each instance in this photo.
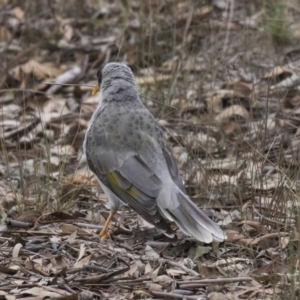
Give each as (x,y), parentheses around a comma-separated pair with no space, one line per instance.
(229,105)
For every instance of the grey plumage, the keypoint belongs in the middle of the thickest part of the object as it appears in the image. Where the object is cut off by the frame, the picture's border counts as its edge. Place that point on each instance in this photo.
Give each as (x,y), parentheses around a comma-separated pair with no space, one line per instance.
(126,149)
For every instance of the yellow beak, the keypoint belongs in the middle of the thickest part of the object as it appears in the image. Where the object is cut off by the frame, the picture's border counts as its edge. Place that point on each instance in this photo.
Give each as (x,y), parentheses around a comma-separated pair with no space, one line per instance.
(95,90)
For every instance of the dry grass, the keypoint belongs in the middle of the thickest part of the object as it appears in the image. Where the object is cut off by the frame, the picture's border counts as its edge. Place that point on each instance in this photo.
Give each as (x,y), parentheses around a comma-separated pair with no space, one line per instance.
(226,80)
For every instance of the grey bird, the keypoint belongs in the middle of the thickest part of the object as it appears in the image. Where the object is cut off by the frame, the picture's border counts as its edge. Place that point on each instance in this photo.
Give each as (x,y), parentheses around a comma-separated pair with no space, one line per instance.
(126,149)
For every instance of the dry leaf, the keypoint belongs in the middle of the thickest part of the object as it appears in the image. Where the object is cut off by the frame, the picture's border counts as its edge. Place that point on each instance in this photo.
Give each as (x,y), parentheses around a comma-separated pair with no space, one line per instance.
(39,292)
(39,70)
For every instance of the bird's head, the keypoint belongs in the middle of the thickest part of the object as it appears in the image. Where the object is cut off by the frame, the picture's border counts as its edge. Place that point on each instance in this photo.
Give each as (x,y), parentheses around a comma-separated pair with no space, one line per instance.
(115,78)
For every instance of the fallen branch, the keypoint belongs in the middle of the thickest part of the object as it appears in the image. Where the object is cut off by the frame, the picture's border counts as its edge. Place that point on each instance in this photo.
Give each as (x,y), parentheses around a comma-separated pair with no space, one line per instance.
(14,223)
(204,282)
(178,296)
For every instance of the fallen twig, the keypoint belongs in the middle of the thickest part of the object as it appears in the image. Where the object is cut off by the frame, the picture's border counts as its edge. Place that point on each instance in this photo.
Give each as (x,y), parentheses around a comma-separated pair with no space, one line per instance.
(178,296)
(204,282)
(14,223)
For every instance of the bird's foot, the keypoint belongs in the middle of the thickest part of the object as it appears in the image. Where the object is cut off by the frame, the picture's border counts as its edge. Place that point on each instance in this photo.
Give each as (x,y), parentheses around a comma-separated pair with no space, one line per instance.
(103,234)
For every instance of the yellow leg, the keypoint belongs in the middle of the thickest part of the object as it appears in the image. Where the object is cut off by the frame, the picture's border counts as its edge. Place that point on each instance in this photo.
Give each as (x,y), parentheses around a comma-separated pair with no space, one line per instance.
(103,233)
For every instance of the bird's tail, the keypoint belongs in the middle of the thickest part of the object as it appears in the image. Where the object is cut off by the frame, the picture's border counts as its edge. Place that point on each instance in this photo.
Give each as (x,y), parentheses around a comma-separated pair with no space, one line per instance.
(193,221)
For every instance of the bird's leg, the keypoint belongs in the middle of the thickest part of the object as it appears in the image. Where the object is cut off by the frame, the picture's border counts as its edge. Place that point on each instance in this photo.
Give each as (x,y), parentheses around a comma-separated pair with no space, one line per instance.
(103,233)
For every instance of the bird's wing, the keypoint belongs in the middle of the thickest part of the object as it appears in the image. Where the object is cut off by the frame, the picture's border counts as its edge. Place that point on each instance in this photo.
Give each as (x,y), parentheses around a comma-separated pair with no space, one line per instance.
(127,174)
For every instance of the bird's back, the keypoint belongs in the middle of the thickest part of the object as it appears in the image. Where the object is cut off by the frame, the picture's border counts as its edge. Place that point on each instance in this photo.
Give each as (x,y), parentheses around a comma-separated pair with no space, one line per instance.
(124,126)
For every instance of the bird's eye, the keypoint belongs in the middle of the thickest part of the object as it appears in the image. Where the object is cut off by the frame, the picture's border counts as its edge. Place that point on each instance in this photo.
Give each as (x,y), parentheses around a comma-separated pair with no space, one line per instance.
(99,76)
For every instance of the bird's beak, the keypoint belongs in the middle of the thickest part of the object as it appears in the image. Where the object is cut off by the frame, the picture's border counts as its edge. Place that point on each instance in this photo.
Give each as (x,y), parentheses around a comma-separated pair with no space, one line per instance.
(95,90)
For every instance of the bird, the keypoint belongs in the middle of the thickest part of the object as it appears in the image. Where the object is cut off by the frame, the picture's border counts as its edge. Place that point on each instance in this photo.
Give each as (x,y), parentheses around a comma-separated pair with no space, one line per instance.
(126,149)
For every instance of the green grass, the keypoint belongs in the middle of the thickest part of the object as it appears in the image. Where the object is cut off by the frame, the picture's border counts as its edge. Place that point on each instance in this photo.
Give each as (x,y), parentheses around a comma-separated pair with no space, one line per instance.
(277,21)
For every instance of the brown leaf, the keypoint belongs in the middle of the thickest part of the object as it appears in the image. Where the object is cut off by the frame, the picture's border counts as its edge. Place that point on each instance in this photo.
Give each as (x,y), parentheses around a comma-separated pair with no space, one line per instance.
(232,112)
(19,13)
(39,70)
(69,228)
(278,71)
(6,270)
(39,292)
(259,228)
(242,88)
(29,216)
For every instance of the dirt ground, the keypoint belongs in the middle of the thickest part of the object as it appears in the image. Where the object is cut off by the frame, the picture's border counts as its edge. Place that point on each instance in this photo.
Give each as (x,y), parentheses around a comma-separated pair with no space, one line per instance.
(221,77)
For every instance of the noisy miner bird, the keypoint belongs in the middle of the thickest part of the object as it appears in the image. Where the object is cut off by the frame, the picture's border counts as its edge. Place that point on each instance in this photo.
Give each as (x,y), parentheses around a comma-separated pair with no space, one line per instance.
(126,149)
